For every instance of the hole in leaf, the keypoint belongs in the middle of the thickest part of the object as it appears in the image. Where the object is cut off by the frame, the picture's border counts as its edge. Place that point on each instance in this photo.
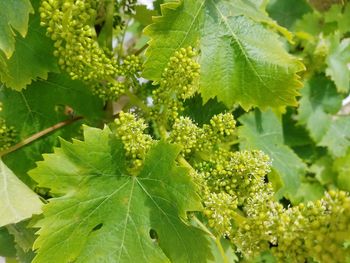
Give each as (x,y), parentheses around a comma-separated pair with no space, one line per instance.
(97,227)
(153,234)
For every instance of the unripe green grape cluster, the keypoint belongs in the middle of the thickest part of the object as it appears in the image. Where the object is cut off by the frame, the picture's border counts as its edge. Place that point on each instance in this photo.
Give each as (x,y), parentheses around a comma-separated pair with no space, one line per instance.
(70,24)
(8,135)
(179,82)
(236,173)
(109,91)
(185,133)
(219,209)
(131,132)
(132,66)
(193,138)
(314,230)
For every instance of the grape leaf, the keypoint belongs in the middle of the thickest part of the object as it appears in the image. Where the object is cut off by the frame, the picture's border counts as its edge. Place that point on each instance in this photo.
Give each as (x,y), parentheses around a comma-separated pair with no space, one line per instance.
(41,105)
(337,138)
(341,16)
(308,191)
(319,100)
(33,57)
(322,168)
(286,13)
(263,131)
(7,244)
(17,201)
(14,15)
(178,27)
(337,61)
(236,66)
(202,113)
(342,167)
(239,67)
(103,214)
(24,237)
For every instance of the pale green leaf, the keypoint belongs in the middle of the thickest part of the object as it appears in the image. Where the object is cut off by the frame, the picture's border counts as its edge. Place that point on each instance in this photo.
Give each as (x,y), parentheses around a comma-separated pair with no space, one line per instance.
(24,237)
(309,192)
(32,59)
(338,61)
(337,138)
(103,214)
(319,100)
(339,15)
(243,62)
(17,201)
(236,65)
(14,15)
(342,167)
(263,131)
(323,170)
(179,26)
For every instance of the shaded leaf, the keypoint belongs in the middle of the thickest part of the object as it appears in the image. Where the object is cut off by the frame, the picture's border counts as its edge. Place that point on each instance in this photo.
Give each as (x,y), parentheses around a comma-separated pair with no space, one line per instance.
(319,100)
(41,105)
(337,138)
(337,61)
(7,244)
(342,167)
(286,13)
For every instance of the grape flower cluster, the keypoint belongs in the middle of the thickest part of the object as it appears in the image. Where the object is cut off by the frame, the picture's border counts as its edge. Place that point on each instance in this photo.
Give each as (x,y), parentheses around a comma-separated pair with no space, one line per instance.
(179,82)
(131,132)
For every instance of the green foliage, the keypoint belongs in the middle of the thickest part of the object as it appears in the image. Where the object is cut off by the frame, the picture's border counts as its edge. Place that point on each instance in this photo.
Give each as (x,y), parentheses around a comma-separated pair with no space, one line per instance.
(263,131)
(14,196)
(34,47)
(230,57)
(200,131)
(109,201)
(14,17)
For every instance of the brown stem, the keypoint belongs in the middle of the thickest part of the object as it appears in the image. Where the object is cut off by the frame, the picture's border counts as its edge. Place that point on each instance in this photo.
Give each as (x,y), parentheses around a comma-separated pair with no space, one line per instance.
(139,51)
(39,135)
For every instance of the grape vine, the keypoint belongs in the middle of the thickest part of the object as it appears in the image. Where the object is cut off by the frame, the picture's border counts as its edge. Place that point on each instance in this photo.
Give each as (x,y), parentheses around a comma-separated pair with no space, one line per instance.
(193,131)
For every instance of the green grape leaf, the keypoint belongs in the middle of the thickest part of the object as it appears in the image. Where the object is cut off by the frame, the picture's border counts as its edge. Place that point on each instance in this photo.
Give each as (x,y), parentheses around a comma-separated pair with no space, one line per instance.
(103,214)
(337,138)
(342,167)
(319,100)
(338,60)
(41,105)
(14,15)
(7,243)
(24,237)
(33,56)
(263,131)
(323,171)
(202,113)
(341,16)
(178,27)
(308,192)
(286,13)
(236,66)
(17,201)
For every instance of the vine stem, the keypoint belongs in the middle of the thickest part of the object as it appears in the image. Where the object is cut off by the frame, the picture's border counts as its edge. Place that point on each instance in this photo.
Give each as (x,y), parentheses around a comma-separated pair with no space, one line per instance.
(39,135)
(216,239)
